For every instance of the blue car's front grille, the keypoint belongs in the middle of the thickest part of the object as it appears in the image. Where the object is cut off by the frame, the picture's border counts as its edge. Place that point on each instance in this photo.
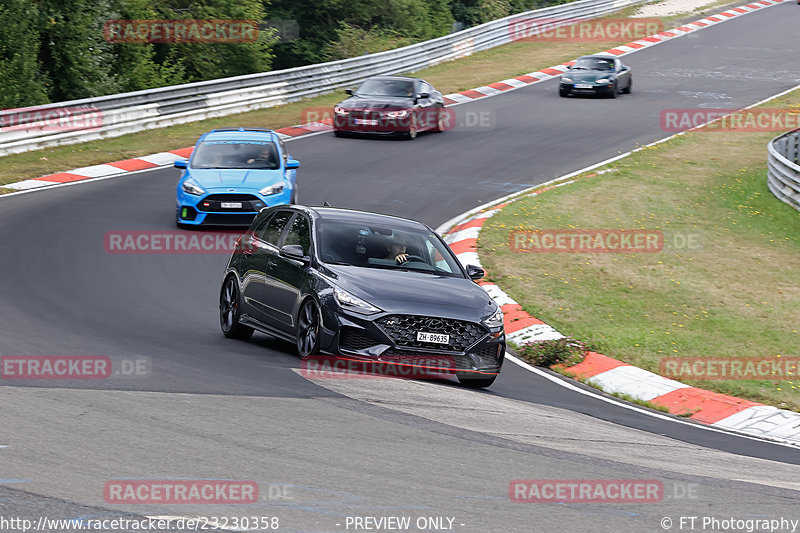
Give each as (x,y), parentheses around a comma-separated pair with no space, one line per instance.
(213,202)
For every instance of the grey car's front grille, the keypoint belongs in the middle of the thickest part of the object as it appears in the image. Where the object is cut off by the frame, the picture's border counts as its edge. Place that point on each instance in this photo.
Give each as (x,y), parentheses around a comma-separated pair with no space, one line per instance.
(403,329)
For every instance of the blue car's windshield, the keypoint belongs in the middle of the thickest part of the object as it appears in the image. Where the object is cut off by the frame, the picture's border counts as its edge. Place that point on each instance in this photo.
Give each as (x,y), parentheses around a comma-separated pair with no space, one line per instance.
(236,154)
(371,246)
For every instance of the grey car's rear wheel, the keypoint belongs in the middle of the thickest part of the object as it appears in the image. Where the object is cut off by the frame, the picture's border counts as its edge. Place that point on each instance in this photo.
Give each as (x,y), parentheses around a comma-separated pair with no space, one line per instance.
(230,310)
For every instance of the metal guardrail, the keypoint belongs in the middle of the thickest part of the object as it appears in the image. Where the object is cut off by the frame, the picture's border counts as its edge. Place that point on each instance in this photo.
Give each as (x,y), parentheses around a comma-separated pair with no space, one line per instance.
(32,128)
(783,167)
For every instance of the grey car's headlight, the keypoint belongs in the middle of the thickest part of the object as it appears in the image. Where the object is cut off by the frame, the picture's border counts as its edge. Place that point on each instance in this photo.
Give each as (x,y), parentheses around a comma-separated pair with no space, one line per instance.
(353,303)
(495,321)
(604,80)
(566,80)
(272,189)
(192,187)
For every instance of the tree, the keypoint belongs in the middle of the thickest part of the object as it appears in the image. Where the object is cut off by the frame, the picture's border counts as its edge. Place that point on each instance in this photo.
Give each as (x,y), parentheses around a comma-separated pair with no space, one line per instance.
(23,83)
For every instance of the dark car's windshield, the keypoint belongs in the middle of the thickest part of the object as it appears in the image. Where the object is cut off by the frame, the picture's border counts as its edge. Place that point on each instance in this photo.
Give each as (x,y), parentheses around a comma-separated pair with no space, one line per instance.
(386,88)
(593,63)
(373,246)
(236,154)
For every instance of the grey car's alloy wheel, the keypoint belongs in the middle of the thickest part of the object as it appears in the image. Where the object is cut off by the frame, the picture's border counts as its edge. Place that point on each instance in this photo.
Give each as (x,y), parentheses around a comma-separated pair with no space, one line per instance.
(230,310)
(309,324)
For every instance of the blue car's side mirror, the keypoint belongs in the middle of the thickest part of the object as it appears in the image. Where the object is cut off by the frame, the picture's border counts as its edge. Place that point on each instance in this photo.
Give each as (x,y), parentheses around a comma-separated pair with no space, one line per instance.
(292,163)
(181,163)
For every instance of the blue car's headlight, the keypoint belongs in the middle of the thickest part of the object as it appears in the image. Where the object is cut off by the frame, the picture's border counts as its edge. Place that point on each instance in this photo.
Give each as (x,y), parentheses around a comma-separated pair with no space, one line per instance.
(272,189)
(496,320)
(353,303)
(192,187)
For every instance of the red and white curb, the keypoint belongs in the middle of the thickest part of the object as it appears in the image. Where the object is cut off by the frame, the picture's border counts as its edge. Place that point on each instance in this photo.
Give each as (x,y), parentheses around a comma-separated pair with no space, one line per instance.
(711,408)
(163,159)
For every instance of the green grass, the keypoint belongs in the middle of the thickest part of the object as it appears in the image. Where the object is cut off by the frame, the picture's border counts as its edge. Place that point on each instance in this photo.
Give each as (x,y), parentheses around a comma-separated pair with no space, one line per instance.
(737,294)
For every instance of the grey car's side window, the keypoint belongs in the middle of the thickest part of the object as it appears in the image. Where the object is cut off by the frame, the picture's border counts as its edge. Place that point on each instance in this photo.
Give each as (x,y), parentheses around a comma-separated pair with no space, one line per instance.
(299,233)
(273,230)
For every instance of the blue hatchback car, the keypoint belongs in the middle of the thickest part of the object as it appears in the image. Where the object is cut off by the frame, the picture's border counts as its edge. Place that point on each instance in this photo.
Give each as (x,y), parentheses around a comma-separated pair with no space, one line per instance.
(232,174)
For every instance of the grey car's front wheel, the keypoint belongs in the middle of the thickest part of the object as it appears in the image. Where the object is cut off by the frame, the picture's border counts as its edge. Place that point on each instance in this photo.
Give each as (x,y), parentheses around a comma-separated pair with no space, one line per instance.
(230,310)
(309,325)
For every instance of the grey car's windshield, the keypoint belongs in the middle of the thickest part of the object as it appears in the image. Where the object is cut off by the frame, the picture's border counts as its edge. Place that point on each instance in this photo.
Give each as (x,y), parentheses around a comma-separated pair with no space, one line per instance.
(398,88)
(371,246)
(236,154)
(593,63)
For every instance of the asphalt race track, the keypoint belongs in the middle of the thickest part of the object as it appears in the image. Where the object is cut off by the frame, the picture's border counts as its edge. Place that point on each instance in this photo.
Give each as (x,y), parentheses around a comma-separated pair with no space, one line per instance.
(212,408)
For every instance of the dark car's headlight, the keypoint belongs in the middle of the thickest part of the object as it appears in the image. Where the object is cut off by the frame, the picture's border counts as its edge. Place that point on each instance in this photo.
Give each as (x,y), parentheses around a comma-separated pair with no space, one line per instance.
(353,303)
(495,321)
(604,80)
(271,189)
(566,80)
(397,114)
(339,110)
(192,187)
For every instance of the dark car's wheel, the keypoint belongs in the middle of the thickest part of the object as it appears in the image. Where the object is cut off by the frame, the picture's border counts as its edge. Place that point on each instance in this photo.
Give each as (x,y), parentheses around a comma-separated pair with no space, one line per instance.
(309,324)
(230,310)
(562,92)
(440,125)
(470,380)
(411,134)
(614,90)
(627,90)
(339,133)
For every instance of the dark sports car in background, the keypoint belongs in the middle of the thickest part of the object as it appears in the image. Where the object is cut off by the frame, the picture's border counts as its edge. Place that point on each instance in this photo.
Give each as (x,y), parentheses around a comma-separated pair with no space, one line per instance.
(598,74)
(390,105)
(330,281)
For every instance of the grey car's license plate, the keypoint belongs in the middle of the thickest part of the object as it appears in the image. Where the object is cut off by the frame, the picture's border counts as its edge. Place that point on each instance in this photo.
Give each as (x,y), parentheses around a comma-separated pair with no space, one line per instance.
(438,338)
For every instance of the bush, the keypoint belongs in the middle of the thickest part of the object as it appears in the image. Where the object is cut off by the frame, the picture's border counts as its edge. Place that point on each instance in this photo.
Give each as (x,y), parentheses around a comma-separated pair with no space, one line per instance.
(566,351)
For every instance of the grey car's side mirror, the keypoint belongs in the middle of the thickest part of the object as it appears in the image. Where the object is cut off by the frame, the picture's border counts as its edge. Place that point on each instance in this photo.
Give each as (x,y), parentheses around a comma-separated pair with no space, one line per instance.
(349,91)
(294,251)
(475,273)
